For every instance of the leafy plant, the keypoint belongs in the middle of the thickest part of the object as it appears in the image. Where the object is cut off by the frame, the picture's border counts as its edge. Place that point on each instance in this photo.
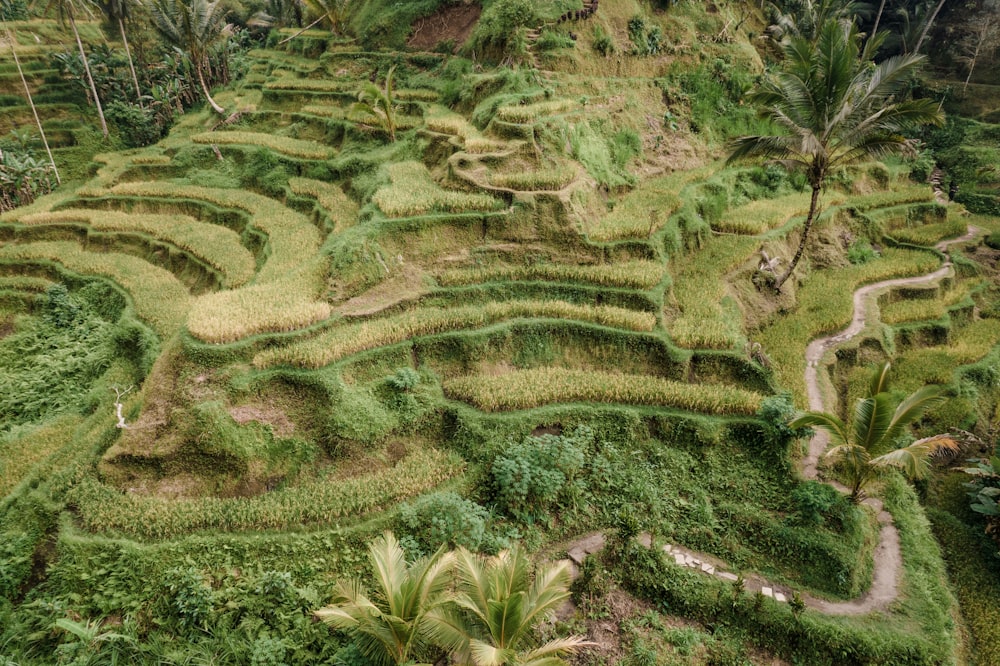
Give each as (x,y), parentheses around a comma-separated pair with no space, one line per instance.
(530,476)
(380,104)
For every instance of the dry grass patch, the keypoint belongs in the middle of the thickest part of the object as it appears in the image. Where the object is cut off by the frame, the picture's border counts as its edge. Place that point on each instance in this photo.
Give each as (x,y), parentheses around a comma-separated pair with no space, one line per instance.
(414,192)
(341,209)
(541,180)
(525,113)
(307,150)
(337,343)
(159,298)
(523,389)
(929,234)
(760,216)
(217,246)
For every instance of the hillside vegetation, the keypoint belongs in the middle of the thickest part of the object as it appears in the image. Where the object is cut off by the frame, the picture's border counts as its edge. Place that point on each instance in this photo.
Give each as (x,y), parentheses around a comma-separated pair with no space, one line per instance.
(478,275)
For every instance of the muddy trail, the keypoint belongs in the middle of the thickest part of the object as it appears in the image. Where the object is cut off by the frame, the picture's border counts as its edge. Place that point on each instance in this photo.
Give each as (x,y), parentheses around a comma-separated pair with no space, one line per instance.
(888,561)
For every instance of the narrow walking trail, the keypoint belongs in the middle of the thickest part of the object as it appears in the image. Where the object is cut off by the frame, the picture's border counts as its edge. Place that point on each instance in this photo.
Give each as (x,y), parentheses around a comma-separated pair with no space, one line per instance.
(888,561)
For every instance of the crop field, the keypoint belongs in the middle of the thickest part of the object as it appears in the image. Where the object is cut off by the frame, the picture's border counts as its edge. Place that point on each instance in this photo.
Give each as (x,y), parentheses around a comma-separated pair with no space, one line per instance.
(480,275)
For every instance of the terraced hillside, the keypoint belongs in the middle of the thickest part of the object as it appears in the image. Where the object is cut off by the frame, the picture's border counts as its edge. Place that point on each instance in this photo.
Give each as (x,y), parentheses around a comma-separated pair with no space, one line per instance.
(539,312)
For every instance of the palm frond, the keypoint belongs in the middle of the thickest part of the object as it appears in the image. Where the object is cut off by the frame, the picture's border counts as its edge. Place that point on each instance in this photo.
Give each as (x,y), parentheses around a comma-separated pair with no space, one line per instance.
(913,407)
(828,422)
(872,418)
(880,380)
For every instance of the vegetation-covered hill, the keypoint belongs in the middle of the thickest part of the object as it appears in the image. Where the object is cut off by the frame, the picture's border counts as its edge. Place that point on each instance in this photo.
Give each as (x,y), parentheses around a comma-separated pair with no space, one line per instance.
(476,273)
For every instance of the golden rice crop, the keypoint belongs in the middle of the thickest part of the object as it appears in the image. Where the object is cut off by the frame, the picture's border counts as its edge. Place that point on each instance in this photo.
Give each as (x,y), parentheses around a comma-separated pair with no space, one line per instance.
(24,283)
(902,195)
(763,215)
(286,304)
(535,181)
(325,501)
(340,207)
(22,452)
(646,208)
(522,389)
(524,113)
(414,192)
(307,150)
(217,246)
(920,309)
(159,297)
(325,110)
(929,234)
(825,306)
(291,237)
(312,85)
(416,95)
(631,274)
(478,145)
(450,123)
(337,343)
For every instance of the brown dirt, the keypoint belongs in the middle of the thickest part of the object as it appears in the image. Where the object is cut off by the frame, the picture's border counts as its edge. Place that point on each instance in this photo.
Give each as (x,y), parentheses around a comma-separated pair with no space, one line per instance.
(266,414)
(453,23)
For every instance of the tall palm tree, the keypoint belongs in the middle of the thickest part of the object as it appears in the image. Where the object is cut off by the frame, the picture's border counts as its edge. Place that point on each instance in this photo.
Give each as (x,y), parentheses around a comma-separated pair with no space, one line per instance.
(67,9)
(192,27)
(393,626)
(491,620)
(834,108)
(927,26)
(118,11)
(865,451)
(31,102)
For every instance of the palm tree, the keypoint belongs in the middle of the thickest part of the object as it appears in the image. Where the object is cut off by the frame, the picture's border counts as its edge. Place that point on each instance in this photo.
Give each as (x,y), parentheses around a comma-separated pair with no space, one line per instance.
(392,628)
(117,11)
(491,620)
(67,9)
(380,103)
(927,26)
(834,108)
(867,451)
(31,102)
(192,27)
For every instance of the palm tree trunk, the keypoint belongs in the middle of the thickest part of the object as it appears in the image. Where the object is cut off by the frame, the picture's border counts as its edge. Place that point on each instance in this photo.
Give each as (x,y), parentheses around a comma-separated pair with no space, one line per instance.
(927,27)
(813,204)
(131,65)
(31,103)
(878,18)
(90,79)
(204,88)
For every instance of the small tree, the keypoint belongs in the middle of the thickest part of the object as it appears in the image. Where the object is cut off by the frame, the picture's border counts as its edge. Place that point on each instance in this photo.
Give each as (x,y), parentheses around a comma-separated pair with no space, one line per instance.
(866,450)
(192,27)
(380,103)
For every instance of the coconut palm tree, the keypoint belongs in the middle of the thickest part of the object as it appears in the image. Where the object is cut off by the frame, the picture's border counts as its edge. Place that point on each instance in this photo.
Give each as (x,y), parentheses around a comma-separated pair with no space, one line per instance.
(834,108)
(67,9)
(393,626)
(380,103)
(497,608)
(118,11)
(31,103)
(866,450)
(192,27)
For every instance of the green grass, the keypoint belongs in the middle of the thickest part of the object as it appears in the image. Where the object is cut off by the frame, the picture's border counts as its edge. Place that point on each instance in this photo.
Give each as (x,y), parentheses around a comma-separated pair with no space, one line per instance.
(306,150)
(643,211)
(343,341)
(159,298)
(522,389)
(929,234)
(413,192)
(217,246)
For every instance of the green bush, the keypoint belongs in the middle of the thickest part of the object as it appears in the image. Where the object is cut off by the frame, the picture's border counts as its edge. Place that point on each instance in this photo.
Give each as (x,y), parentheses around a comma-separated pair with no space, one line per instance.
(443,518)
(499,32)
(136,126)
(861,252)
(603,42)
(993,240)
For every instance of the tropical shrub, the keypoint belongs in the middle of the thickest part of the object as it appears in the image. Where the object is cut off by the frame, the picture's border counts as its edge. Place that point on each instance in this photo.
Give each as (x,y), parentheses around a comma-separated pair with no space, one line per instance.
(444,518)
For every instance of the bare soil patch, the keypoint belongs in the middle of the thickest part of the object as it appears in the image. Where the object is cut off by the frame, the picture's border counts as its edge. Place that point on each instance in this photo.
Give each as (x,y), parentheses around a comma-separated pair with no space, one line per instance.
(450,24)
(266,414)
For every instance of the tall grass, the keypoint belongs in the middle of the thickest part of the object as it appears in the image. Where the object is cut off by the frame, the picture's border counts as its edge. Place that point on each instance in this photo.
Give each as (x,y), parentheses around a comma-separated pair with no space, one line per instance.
(413,192)
(541,180)
(647,208)
(706,318)
(902,195)
(104,509)
(291,237)
(522,389)
(159,298)
(24,283)
(631,274)
(344,341)
(307,150)
(217,246)
(929,234)
(526,113)
(22,450)
(763,215)
(339,207)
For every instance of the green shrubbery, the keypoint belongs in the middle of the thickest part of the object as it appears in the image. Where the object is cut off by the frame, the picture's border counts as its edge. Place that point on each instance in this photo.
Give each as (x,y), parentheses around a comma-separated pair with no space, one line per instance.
(499,33)
(531,476)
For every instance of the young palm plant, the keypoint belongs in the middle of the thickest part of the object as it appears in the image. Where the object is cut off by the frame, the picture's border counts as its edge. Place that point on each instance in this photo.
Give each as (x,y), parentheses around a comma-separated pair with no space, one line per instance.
(393,626)
(193,27)
(492,619)
(380,103)
(866,450)
(834,108)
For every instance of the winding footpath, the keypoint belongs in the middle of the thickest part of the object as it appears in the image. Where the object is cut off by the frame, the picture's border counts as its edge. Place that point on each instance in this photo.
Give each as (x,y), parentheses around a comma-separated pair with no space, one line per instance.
(888,560)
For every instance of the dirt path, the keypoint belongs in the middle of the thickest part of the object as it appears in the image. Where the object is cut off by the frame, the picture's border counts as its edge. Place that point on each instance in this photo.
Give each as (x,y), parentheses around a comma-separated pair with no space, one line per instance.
(887,556)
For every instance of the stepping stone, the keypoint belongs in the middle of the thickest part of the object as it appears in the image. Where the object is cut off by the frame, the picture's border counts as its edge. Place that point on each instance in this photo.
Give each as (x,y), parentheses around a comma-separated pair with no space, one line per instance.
(778,596)
(668,548)
(767,592)
(725,575)
(679,559)
(578,555)
(708,568)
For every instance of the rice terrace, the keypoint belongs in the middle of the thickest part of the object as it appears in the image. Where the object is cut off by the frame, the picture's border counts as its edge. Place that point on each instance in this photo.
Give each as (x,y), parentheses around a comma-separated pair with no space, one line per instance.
(500,332)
